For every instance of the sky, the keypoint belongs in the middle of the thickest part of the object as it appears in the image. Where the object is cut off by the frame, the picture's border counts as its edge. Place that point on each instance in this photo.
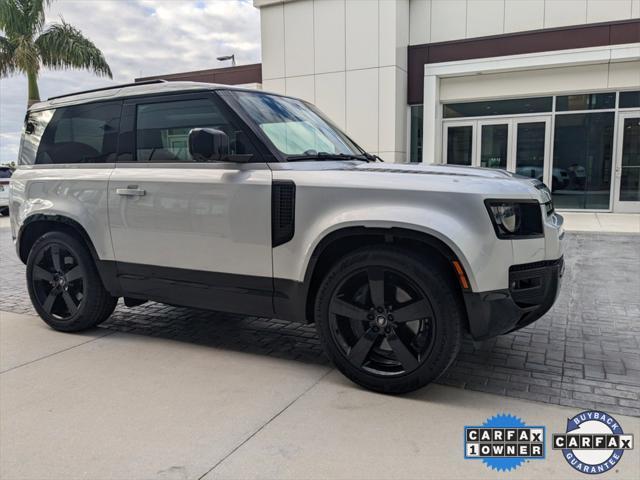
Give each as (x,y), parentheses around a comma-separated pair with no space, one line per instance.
(138,38)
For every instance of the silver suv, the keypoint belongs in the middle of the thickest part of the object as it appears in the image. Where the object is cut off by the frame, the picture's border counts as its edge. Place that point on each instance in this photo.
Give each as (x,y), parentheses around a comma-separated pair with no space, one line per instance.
(242,201)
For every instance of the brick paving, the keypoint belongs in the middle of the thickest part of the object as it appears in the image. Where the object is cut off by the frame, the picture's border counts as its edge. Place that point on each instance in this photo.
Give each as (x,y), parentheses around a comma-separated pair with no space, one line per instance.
(585,353)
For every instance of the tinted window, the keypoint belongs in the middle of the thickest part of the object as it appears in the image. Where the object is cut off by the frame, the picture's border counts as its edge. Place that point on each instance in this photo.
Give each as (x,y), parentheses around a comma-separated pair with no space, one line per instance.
(629,99)
(594,101)
(498,107)
(5,173)
(34,126)
(163,129)
(81,134)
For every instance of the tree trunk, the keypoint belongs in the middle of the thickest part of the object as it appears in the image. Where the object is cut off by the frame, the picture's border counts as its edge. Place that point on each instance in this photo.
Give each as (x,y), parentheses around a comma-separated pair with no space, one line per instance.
(34,93)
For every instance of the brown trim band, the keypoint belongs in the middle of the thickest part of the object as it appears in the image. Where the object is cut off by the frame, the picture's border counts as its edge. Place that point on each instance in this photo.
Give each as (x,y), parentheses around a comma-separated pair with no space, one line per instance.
(228,75)
(582,36)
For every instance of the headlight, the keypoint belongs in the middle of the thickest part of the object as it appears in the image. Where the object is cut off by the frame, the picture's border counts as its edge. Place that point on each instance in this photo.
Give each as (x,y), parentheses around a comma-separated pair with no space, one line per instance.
(515,219)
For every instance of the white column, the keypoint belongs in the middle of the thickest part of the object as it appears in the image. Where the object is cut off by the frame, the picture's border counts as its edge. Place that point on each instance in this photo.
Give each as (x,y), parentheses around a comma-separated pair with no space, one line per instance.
(431,124)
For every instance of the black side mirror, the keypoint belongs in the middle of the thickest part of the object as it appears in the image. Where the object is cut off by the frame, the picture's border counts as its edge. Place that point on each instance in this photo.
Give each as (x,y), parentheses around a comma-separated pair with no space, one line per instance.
(208,144)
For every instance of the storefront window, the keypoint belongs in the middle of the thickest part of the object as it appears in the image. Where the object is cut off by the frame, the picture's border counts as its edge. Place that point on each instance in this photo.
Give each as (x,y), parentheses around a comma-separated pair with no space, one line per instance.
(630,99)
(459,145)
(498,107)
(493,149)
(593,101)
(583,147)
(415,147)
(630,171)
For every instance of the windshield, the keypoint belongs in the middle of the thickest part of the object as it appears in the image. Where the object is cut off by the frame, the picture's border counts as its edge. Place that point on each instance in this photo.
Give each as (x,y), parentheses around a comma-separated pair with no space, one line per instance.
(294,127)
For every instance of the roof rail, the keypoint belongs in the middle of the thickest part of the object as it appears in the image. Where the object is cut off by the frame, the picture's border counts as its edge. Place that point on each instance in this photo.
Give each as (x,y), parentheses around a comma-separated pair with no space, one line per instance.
(135,84)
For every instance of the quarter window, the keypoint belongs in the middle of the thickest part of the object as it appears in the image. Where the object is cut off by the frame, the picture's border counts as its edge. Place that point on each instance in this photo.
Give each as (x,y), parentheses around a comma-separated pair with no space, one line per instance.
(80,134)
(163,129)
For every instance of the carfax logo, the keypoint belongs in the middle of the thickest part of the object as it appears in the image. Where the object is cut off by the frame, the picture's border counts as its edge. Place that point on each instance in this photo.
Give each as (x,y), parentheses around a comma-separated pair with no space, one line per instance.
(594,442)
(504,442)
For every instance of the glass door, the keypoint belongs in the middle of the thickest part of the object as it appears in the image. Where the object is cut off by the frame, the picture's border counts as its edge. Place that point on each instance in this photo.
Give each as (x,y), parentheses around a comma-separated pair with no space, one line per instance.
(530,149)
(459,143)
(493,143)
(627,169)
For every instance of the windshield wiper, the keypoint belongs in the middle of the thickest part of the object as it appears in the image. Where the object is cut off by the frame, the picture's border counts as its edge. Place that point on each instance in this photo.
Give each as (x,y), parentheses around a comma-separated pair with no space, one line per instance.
(328,156)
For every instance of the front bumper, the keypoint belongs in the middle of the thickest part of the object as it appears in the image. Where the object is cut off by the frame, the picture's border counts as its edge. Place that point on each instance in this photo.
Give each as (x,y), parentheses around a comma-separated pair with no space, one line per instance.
(533,288)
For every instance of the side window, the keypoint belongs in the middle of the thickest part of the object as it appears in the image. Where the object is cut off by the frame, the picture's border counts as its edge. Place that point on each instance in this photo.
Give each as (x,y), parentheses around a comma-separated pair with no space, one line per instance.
(163,129)
(81,134)
(35,124)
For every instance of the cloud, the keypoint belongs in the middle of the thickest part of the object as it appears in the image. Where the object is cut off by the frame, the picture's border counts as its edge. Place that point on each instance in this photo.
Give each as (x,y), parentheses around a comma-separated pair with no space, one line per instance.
(138,38)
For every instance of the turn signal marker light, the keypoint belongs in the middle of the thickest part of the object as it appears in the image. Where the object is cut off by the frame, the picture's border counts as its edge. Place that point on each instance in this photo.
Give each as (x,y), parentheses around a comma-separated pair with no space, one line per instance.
(462,278)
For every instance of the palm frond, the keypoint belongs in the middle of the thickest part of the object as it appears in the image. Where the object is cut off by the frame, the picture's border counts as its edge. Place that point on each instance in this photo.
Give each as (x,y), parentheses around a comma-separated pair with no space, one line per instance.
(22,17)
(63,46)
(7,61)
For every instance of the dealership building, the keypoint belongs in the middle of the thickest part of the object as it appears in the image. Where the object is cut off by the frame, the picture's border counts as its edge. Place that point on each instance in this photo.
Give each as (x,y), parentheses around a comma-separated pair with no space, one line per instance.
(545,88)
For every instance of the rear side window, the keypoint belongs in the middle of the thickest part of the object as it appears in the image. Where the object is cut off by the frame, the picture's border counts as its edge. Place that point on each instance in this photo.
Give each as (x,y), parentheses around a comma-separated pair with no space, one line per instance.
(163,129)
(81,134)
(34,126)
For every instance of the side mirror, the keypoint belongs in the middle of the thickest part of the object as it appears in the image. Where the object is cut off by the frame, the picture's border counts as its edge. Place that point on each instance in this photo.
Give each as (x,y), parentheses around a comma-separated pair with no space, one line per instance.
(208,144)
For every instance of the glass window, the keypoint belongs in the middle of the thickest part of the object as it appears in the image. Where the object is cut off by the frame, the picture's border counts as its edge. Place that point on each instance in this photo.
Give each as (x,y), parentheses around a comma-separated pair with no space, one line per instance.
(493,146)
(459,145)
(530,149)
(498,107)
(5,172)
(592,101)
(163,130)
(294,127)
(416,133)
(630,99)
(583,146)
(630,175)
(80,134)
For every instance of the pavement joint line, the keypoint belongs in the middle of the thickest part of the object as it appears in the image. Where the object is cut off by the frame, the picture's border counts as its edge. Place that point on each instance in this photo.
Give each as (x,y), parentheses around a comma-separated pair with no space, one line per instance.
(241,444)
(56,353)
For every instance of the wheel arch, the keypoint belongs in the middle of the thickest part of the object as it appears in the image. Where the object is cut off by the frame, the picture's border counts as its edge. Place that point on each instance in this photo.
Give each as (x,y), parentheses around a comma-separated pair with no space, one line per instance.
(36,225)
(342,241)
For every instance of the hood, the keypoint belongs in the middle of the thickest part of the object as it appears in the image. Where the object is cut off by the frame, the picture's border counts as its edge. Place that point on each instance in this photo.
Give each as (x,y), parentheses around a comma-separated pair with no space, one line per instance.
(436,169)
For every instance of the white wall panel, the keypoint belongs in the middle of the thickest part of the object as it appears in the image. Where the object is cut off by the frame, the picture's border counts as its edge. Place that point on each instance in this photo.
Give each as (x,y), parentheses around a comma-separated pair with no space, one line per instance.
(302,87)
(272,38)
(329,32)
(624,75)
(362,107)
(298,34)
(485,17)
(330,96)
(558,13)
(448,20)
(387,109)
(522,15)
(523,83)
(419,21)
(362,34)
(394,35)
(607,10)
(275,85)
(635,9)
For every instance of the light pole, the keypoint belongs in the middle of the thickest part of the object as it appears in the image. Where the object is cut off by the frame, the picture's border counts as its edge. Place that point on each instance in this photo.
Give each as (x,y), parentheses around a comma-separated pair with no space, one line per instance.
(228,57)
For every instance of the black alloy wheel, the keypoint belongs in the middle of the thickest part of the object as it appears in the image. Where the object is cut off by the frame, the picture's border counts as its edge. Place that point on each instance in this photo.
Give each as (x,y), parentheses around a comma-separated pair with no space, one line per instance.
(58,281)
(382,321)
(64,284)
(390,319)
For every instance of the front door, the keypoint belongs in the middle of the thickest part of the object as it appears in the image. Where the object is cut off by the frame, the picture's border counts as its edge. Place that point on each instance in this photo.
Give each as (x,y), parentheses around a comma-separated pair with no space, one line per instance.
(627,162)
(517,144)
(186,232)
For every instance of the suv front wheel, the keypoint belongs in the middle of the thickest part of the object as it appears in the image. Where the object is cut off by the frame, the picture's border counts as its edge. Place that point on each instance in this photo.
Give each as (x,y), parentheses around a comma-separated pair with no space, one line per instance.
(64,285)
(390,320)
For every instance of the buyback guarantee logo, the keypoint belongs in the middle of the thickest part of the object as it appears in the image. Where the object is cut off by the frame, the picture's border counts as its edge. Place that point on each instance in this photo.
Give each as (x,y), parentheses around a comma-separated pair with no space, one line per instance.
(504,442)
(593,443)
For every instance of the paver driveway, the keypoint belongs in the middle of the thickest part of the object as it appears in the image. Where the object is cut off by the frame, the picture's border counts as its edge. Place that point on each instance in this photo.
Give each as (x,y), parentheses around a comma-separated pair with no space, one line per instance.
(584,353)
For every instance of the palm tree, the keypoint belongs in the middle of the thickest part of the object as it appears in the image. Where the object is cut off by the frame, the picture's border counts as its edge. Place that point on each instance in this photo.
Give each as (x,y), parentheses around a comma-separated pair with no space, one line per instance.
(25,46)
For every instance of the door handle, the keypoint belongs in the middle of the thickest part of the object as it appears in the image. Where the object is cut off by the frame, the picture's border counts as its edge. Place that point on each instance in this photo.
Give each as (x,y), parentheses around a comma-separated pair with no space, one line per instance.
(131,191)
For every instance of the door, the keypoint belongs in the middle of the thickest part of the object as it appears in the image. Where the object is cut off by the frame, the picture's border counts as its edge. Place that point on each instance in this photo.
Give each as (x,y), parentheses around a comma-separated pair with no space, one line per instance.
(530,149)
(186,232)
(627,169)
(518,144)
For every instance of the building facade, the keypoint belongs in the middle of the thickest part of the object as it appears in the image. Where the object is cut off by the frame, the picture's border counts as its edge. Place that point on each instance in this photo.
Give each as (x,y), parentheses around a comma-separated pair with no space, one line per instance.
(545,88)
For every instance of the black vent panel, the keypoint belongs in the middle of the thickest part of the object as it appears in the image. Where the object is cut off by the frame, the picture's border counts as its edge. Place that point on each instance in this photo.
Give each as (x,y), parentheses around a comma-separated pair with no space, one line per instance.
(283,211)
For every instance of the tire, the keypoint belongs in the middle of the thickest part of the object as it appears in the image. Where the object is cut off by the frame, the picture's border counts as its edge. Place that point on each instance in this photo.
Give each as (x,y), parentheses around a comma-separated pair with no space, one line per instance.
(64,284)
(399,346)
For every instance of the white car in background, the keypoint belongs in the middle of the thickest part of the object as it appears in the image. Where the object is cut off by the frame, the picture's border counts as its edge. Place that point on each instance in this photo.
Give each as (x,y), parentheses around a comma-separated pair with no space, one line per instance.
(5,175)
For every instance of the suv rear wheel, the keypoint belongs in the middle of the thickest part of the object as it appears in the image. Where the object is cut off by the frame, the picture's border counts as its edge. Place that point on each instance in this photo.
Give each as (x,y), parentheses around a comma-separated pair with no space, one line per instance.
(390,320)
(64,285)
